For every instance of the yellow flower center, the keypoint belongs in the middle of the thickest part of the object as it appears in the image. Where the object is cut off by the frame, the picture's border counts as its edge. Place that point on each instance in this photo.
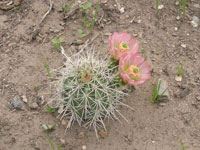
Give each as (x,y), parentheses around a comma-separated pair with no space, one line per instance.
(134,72)
(123,47)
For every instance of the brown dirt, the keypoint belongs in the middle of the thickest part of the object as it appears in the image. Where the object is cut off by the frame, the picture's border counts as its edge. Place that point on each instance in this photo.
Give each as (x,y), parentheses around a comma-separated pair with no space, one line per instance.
(150,127)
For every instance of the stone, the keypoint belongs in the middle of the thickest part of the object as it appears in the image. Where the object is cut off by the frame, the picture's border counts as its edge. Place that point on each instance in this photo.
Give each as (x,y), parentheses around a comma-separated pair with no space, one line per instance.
(195,21)
(33,105)
(178,78)
(84,147)
(160,7)
(183,45)
(16,102)
(198,98)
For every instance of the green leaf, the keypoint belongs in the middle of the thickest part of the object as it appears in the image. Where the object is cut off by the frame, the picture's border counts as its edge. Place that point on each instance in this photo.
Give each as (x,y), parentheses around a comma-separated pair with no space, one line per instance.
(86,6)
(51,143)
(80,31)
(52,110)
(54,41)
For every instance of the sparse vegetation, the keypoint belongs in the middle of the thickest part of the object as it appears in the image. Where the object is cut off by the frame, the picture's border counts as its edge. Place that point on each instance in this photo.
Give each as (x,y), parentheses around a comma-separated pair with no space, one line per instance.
(52,145)
(57,43)
(182,6)
(81,33)
(156,90)
(47,69)
(180,69)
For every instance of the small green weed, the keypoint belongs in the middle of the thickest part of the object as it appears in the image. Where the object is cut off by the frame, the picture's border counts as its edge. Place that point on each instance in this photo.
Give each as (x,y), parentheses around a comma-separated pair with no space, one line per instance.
(52,145)
(47,68)
(51,110)
(157,3)
(182,6)
(156,90)
(86,21)
(182,146)
(81,33)
(36,88)
(57,43)
(67,6)
(180,69)
(85,7)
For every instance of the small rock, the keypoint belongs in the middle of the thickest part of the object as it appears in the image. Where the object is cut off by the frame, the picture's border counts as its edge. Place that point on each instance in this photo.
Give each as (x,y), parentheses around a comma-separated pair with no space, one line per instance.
(160,7)
(183,45)
(64,122)
(198,98)
(84,147)
(195,21)
(178,78)
(33,105)
(178,18)
(163,87)
(122,10)
(16,102)
(62,141)
(24,99)
(139,21)
(194,24)
(177,3)
(102,133)
(176,28)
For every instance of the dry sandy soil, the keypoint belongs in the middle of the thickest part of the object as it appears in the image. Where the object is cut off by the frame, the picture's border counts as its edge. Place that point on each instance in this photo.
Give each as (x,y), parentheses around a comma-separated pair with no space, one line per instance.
(171,125)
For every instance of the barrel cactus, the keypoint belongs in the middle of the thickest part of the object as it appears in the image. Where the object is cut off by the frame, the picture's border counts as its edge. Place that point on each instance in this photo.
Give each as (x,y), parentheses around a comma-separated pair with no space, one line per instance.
(88,91)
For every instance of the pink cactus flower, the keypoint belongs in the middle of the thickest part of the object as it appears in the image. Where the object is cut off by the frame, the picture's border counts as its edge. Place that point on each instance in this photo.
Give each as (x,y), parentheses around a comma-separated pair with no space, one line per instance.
(133,69)
(121,43)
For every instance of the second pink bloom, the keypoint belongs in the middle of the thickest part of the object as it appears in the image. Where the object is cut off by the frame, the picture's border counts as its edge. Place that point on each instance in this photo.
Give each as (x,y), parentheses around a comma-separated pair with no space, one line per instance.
(122,43)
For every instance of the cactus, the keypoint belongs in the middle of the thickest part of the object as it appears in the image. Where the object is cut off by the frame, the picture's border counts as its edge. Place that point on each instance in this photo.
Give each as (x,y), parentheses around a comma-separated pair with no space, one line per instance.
(88,91)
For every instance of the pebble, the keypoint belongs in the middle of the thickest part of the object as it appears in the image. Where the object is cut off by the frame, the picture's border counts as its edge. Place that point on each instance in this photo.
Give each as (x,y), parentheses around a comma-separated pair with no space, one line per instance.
(178,78)
(178,18)
(177,3)
(16,102)
(176,28)
(195,21)
(139,21)
(183,45)
(24,99)
(160,7)
(198,98)
(84,147)
(122,10)
(33,105)
(62,141)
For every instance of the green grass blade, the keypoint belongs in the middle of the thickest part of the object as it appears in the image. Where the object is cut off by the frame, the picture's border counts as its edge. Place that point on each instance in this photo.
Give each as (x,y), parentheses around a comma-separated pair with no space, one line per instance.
(157,3)
(51,143)
(47,68)
(95,16)
(184,6)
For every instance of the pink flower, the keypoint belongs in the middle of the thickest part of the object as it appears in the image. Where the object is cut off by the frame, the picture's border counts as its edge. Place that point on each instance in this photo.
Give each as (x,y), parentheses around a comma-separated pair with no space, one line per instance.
(121,43)
(133,69)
